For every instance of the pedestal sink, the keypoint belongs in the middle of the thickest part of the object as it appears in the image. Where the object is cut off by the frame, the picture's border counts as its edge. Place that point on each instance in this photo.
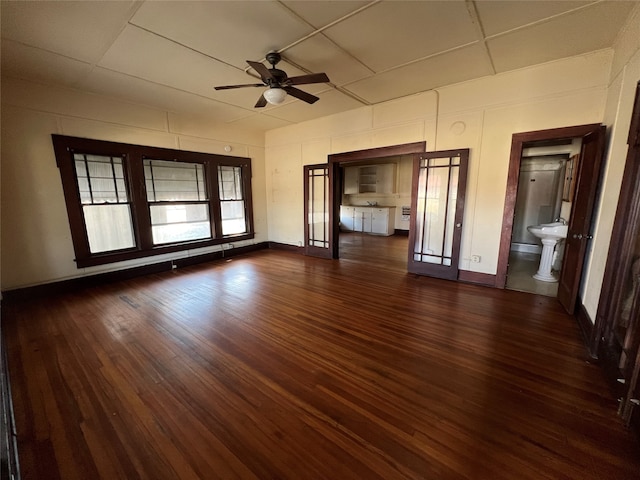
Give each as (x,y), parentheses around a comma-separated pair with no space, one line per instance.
(550,234)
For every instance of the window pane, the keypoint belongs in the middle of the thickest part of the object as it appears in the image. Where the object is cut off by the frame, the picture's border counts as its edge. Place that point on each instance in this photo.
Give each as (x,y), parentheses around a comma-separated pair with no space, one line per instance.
(174,181)
(230,182)
(179,223)
(100,179)
(233,219)
(109,227)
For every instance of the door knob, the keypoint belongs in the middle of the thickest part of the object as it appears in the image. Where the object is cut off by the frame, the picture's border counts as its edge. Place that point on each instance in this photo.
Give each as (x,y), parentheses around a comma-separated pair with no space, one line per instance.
(458,225)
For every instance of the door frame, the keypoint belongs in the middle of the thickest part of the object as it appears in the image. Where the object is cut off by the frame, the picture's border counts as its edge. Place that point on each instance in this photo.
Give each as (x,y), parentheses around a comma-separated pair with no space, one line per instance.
(517,142)
(336,181)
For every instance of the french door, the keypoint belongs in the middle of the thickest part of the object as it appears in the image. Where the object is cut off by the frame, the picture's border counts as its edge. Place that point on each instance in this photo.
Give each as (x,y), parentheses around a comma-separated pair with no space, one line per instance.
(437,208)
(317,225)
(616,334)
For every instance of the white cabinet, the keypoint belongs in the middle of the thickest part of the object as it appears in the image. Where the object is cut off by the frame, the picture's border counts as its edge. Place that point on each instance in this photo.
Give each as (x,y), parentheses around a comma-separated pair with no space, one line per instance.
(351,180)
(378,179)
(380,221)
(347,218)
(362,220)
(386,178)
(376,220)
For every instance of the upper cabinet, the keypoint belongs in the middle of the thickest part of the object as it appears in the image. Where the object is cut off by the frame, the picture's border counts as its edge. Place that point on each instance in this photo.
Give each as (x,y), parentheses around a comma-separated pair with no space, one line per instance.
(370,179)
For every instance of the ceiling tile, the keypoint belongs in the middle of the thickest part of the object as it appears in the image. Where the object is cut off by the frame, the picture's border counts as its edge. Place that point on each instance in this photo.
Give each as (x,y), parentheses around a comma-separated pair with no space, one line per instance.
(323,12)
(260,122)
(30,63)
(452,67)
(500,16)
(394,33)
(319,54)
(144,55)
(114,84)
(229,31)
(330,102)
(81,30)
(591,28)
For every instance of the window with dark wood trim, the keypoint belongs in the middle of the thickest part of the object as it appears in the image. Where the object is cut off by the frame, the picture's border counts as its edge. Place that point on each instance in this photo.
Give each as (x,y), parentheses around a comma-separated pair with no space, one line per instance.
(130,201)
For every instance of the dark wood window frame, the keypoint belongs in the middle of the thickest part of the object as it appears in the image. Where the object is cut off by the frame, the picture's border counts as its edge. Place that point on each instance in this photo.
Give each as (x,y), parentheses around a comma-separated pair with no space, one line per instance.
(134,156)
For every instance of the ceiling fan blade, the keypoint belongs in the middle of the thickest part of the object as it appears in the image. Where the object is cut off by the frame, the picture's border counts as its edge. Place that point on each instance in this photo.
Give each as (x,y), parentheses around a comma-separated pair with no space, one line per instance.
(261,102)
(311,78)
(229,87)
(263,71)
(304,96)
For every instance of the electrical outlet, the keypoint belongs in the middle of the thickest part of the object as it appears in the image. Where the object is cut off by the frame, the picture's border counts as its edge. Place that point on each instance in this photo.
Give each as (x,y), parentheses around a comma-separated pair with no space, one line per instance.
(475,258)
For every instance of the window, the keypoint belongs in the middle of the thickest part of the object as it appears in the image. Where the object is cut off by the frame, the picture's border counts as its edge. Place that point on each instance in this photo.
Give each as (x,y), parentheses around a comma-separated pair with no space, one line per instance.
(178,201)
(129,201)
(231,200)
(105,202)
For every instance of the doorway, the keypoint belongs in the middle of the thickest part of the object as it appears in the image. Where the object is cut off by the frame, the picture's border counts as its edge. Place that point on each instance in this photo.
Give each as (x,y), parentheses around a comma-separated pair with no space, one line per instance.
(547,174)
(366,202)
(579,192)
(372,227)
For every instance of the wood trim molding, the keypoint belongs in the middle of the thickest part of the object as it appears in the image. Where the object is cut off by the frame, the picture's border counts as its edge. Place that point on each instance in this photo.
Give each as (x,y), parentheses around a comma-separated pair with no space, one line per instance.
(64,286)
(286,247)
(478,278)
(391,151)
(586,327)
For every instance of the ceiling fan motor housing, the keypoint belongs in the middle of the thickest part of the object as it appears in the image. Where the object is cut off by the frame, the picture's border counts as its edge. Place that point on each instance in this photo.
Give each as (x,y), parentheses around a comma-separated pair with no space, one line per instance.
(279,77)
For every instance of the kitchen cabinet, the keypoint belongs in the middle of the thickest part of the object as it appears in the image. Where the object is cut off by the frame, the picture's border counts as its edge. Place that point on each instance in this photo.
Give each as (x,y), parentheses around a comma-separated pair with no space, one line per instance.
(351,180)
(347,217)
(374,220)
(362,220)
(373,179)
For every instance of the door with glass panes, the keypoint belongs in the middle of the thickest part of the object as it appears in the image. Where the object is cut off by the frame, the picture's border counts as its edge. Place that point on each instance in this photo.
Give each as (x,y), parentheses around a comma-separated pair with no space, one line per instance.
(437,209)
(317,225)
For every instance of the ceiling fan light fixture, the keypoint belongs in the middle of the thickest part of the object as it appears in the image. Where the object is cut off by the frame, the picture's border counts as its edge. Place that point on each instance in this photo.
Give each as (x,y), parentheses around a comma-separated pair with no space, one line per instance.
(275,95)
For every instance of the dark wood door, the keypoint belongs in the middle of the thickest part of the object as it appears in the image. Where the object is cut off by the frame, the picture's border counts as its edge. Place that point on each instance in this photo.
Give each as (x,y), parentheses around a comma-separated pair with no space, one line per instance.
(317,225)
(437,209)
(581,216)
(616,334)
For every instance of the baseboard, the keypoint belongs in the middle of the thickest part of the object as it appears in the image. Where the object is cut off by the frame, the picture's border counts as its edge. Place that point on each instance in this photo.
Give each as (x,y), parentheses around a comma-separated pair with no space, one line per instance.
(478,278)
(586,328)
(526,248)
(64,286)
(286,247)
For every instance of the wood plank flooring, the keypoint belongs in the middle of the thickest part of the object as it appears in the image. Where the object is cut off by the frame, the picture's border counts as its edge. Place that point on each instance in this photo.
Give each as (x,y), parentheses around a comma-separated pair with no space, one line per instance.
(278,366)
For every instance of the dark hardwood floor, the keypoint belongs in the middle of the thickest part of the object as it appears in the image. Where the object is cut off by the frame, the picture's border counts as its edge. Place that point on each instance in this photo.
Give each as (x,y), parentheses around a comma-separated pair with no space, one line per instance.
(278,366)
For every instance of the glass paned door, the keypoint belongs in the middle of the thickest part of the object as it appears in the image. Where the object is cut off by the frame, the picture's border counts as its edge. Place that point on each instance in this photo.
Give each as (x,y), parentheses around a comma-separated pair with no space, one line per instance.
(437,207)
(317,233)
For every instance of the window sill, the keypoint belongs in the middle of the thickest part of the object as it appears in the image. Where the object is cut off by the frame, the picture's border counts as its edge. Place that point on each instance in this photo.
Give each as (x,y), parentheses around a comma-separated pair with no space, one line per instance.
(106,259)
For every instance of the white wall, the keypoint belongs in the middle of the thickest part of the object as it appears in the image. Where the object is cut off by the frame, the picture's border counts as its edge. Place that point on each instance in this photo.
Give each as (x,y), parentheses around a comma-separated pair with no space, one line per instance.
(625,74)
(481,115)
(36,240)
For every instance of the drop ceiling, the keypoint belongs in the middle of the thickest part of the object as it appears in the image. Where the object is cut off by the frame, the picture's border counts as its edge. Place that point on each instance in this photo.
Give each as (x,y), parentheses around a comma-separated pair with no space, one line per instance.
(170,54)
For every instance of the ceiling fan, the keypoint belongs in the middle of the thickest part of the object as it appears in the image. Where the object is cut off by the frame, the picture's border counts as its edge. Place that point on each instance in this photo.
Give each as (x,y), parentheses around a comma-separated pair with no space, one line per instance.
(278,82)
